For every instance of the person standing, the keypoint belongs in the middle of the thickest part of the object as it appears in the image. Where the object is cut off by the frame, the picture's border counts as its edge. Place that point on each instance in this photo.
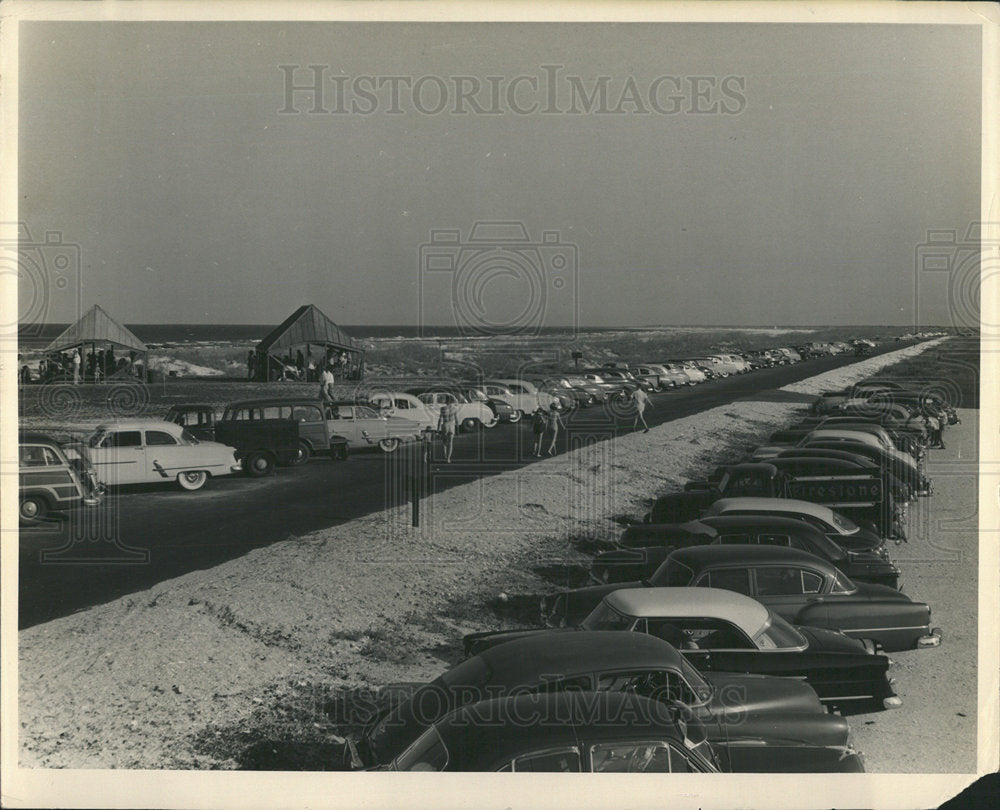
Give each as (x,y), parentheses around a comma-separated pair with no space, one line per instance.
(641,402)
(77,360)
(251,363)
(554,421)
(447,427)
(326,382)
(538,424)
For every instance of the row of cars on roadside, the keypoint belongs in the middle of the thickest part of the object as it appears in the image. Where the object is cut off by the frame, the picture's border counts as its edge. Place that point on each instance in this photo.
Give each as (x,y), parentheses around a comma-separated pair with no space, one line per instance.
(734,628)
(195,442)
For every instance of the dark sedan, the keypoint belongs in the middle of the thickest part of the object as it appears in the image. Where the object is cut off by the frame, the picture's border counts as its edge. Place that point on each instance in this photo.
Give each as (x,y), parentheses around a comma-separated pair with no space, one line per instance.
(574,732)
(805,590)
(759,529)
(719,630)
(728,705)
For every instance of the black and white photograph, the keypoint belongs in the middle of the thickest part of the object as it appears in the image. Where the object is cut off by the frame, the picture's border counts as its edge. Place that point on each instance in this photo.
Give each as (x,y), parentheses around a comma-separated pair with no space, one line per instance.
(500,390)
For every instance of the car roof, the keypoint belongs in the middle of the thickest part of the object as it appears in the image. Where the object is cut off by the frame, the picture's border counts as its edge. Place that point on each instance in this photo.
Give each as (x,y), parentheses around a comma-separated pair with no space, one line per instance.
(272,401)
(34,437)
(699,556)
(723,523)
(137,423)
(773,504)
(692,603)
(196,406)
(492,731)
(526,660)
(860,435)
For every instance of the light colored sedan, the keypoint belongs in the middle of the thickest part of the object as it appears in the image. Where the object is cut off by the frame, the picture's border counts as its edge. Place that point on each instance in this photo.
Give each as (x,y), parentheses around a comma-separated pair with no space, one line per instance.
(145,451)
(363,426)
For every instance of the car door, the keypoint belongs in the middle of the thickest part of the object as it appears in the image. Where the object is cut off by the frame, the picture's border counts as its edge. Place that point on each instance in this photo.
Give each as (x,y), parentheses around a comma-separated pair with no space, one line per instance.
(787,589)
(312,425)
(370,425)
(120,457)
(341,422)
(165,457)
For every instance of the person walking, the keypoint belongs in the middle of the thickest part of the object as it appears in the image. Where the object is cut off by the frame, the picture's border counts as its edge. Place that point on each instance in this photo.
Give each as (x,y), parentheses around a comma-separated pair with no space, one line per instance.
(641,402)
(326,382)
(538,423)
(447,427)
(554,421)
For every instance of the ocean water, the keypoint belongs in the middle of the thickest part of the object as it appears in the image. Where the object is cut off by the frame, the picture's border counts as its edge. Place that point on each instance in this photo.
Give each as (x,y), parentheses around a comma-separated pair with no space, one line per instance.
(157,334)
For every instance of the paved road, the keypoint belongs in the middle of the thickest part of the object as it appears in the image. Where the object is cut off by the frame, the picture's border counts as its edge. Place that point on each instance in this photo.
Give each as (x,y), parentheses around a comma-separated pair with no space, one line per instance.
(144,535)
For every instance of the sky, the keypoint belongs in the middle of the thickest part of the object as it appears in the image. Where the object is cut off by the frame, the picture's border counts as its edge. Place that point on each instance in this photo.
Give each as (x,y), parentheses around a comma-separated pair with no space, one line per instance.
(752,174)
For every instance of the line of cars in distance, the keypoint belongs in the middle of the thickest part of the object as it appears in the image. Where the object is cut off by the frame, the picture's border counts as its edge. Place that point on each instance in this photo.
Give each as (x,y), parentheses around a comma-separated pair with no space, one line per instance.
(737,626)
(256,436)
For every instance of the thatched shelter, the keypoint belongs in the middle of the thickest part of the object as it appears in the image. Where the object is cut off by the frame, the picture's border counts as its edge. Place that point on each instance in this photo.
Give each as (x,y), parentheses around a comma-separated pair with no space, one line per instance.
(303,344)
(107,350)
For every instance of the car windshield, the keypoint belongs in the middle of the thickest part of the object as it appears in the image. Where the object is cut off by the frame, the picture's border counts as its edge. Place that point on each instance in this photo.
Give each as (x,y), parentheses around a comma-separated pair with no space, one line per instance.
(428,753)
(844,524)
(699,686)
(777,634)
(188,438)
(605,617)
(475,393)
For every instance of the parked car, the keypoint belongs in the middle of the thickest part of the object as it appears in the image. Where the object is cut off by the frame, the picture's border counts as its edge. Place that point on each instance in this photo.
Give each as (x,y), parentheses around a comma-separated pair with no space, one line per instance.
(198,419)
(843,531)
(726,704)
(502,410)
(271,432)
(748,529)
(863,495)
(363,426)
(806,590)
(663,376)
(623,377)
(712,366)
(53,478)
(519,393)
(613,389)
(471,415)
(565,398)
(406,406)
(571,396)
(140,451)
(594,392)
(695,373)
(517,734)
(719,630)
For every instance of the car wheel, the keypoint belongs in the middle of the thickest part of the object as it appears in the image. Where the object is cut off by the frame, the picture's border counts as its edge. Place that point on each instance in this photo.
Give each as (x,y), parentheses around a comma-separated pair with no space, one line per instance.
(192,479)
(388,445)
(469,424)
(303,455)
(33,507)
(516,416)
(259,464)
(492,422)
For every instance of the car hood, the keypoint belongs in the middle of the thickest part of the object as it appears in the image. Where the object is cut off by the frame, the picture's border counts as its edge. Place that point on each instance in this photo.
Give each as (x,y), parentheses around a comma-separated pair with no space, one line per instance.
(736,696)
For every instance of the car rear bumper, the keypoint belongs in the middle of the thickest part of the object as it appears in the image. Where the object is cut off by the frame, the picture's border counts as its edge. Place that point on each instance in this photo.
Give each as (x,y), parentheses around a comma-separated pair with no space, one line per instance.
(932,639)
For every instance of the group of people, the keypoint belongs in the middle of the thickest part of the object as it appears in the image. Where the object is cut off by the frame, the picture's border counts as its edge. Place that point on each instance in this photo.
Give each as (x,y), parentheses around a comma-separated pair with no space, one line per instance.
(94,366)
(302,368)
